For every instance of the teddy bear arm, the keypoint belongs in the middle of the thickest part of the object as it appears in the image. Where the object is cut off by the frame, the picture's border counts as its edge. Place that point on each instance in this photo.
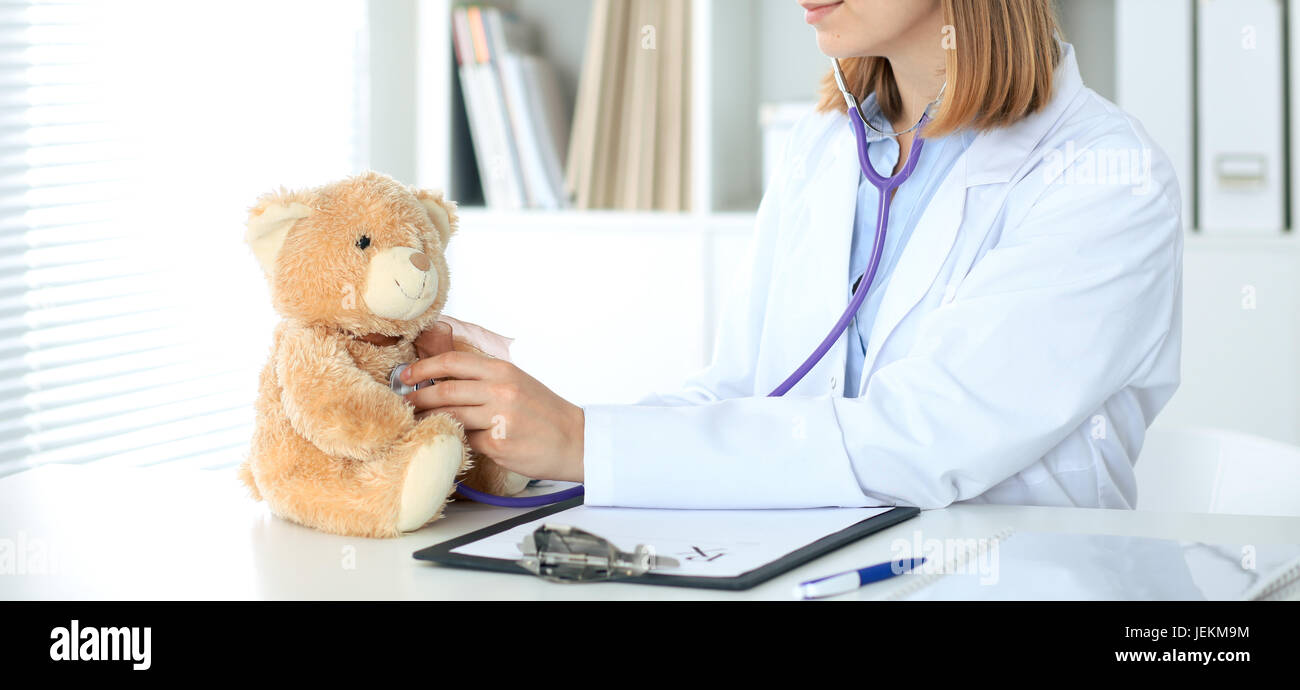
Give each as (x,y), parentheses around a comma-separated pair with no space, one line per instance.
(335,405)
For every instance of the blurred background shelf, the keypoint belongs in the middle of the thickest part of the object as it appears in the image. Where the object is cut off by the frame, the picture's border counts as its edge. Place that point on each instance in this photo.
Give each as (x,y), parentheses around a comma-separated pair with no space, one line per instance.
(530,220)
(744,54)
(733,70)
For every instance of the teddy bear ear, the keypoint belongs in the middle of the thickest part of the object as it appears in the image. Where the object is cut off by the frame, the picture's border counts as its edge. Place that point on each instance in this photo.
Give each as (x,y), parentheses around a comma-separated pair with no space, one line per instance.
(268,226)
(441,211)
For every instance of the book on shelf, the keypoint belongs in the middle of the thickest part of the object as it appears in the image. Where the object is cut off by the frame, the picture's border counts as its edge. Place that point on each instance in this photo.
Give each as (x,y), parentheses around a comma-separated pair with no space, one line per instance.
(672,184)
(631,124)
(518,116)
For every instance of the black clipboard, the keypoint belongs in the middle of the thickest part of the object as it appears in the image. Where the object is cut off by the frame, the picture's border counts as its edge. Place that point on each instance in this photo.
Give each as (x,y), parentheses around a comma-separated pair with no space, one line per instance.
(442,553)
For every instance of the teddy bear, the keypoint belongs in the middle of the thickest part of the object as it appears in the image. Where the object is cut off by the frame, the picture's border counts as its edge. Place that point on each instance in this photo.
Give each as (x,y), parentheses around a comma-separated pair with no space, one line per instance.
(357,271)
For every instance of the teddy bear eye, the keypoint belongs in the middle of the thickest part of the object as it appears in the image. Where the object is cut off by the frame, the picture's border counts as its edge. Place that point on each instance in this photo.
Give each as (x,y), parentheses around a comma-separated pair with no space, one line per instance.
(363,242)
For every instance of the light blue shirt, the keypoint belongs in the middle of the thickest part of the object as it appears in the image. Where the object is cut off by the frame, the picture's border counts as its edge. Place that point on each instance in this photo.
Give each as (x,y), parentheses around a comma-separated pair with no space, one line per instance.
(910,199)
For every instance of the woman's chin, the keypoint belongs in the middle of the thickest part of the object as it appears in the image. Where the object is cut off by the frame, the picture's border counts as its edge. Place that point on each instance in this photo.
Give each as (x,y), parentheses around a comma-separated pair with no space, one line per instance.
(831,47)
(832,44)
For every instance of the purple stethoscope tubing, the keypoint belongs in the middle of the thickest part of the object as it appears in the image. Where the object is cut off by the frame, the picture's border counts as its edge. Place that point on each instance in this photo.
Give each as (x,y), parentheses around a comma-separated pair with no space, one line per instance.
(886,185)
(518,501)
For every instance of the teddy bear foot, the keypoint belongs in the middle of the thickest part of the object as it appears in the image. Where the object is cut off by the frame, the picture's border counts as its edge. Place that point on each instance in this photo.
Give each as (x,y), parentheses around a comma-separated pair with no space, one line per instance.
(429,478)
(514,483)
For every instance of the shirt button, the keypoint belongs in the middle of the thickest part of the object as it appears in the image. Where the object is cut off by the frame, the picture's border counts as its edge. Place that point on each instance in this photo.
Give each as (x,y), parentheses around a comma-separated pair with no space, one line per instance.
(835,383)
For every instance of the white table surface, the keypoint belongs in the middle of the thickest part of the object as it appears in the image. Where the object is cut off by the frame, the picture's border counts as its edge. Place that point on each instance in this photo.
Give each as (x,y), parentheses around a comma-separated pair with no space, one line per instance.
(158,533)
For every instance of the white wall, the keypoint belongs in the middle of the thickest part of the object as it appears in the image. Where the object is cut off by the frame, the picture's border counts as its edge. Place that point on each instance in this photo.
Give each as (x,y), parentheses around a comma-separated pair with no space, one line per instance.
(1089,25)
(604,306)
(1241,338)
(390,103)
(790,66)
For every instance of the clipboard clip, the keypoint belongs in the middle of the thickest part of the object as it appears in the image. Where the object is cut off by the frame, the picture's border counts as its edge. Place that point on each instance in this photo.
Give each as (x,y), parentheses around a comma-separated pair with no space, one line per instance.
(562,553)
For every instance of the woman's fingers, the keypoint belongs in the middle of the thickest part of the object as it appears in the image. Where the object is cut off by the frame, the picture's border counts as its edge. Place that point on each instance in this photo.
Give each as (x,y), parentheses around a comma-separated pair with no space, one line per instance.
(456,365)
(450,393)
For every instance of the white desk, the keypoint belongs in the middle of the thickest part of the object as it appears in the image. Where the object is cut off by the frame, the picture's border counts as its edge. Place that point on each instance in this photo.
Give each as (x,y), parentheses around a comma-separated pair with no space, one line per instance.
(192,535)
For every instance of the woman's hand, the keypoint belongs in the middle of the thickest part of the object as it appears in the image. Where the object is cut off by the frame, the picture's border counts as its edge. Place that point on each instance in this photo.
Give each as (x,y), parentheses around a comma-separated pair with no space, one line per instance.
(508,415)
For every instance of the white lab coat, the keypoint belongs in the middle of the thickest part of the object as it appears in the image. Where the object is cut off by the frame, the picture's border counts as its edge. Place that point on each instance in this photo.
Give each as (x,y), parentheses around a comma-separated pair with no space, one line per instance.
(1027,338)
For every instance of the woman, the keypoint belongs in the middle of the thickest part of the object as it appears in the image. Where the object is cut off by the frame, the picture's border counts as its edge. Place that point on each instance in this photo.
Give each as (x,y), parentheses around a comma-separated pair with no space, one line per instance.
(1021,333)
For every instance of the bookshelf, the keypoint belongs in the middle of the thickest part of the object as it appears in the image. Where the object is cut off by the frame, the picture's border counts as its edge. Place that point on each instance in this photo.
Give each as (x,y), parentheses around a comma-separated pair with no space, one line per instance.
(730,78)
(743,54)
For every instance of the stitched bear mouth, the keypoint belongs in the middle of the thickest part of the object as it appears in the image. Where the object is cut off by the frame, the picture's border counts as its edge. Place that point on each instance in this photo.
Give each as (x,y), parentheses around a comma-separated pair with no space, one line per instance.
(423,281)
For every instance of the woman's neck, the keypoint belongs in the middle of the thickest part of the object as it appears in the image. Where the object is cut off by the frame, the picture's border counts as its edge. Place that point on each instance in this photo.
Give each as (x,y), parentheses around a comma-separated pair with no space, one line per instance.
(919,72)
(918,91)
(919,63)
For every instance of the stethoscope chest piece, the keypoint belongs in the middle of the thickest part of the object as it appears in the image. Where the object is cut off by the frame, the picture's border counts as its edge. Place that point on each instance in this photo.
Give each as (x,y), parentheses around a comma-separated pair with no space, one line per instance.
(395,381)
(561,553)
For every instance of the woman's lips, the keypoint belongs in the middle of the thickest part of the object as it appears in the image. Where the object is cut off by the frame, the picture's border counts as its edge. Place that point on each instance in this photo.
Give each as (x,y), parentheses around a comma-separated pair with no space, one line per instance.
(815,13)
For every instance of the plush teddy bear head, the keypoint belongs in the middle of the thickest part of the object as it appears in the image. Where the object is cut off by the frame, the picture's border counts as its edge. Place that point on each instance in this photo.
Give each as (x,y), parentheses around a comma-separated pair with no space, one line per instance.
(363,255)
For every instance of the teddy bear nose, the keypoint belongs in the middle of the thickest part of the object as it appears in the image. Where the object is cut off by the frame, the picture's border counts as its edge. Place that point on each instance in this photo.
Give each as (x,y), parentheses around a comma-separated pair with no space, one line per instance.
(420,261)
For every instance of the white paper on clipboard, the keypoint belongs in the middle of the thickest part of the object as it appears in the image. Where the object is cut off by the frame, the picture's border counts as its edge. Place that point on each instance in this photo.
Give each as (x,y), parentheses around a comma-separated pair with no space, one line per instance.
(707,543)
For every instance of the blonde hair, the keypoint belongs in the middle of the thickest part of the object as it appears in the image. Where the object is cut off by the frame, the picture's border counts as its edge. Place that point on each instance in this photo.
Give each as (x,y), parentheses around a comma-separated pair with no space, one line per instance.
(1000,60)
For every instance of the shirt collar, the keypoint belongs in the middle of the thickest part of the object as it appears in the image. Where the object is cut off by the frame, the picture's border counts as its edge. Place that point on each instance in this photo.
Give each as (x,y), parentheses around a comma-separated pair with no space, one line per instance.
(995,155)
(885,157)
(876,116)
(872,113)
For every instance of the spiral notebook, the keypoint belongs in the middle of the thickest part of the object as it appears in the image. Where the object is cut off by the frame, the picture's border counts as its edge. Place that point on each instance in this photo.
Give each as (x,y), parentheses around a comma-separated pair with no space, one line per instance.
(1013,565)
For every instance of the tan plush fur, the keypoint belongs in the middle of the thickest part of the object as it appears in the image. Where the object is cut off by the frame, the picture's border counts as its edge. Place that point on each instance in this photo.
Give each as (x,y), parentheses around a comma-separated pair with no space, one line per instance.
(333,442)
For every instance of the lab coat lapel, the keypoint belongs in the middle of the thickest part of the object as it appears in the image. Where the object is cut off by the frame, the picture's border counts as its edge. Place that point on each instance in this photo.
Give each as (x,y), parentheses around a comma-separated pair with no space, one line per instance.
(922,257)
(821,251)
(993,157)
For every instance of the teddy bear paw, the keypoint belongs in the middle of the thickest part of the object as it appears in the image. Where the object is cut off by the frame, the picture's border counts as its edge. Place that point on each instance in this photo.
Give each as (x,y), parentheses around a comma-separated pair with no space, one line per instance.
(513,483)
(429,478)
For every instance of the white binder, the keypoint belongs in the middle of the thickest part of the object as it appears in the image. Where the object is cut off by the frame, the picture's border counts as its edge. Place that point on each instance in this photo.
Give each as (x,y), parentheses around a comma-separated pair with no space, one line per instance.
(1154,79)
(1240,110)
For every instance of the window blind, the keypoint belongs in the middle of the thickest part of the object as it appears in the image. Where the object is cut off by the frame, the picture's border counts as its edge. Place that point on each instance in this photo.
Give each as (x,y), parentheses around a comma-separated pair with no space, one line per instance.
(134,135)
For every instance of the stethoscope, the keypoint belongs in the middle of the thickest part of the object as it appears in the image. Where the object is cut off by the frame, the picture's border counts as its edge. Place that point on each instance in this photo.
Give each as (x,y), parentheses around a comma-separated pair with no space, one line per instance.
(886,186)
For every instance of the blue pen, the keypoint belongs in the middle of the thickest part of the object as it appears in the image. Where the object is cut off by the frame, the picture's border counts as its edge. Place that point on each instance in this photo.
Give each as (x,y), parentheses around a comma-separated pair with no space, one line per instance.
(840,583)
